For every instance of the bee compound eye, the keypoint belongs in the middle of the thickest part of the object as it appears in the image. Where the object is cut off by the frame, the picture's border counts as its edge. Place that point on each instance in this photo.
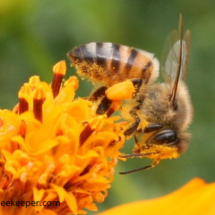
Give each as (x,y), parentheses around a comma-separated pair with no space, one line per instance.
(167,136)
(152,127)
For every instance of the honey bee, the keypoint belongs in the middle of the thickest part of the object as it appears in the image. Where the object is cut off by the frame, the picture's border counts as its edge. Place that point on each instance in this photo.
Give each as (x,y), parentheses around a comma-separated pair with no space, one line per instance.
(161,112)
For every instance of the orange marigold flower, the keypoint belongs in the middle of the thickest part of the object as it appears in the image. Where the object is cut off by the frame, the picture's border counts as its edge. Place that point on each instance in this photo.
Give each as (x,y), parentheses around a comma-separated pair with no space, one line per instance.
(55,148)
(196,197)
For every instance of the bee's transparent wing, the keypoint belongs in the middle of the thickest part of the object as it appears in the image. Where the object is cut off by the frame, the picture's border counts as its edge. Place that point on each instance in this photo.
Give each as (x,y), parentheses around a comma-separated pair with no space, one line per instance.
(170,59)
(187,54)
(175,59)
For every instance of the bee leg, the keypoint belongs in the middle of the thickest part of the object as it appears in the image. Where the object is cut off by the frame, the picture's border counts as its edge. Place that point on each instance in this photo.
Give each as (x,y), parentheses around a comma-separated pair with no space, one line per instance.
(103,106)
(133,127)
(105,103)
(100,92)
(137,82)
(155,162)
(135,139)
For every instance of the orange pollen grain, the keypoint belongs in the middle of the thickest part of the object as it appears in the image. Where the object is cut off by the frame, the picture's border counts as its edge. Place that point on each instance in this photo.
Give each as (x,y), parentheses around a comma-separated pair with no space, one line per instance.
(120,91)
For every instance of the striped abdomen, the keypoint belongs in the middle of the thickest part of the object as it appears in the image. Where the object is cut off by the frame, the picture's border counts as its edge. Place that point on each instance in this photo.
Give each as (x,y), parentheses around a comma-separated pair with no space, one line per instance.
(112,63)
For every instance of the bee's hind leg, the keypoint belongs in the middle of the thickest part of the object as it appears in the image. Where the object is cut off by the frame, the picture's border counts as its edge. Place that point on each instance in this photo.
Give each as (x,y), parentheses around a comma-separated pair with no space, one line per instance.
(104,104)
(100,92)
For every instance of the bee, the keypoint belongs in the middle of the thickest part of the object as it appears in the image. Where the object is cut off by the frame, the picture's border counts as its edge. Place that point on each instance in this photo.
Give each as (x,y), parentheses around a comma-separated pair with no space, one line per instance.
(161,112)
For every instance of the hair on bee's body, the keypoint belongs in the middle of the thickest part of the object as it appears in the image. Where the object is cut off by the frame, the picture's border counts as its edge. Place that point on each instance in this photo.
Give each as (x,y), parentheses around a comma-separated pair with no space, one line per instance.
(155,108)
(161,112)
(113,63)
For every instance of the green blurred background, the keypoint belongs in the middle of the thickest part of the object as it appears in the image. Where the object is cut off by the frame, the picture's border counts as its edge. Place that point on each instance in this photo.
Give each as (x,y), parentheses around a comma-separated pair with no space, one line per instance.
(35,34)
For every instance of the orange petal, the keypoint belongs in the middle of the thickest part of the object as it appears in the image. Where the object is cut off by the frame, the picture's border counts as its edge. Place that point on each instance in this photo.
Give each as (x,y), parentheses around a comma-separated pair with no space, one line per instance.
(196,197)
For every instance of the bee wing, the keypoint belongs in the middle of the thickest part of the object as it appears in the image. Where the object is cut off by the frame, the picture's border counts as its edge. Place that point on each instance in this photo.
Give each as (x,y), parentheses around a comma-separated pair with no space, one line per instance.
(175,58)
(187,54)
(170,60)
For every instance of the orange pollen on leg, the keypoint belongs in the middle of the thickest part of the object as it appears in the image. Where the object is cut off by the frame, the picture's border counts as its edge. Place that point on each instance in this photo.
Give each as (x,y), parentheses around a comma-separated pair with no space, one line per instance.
(59,71)
(39,98)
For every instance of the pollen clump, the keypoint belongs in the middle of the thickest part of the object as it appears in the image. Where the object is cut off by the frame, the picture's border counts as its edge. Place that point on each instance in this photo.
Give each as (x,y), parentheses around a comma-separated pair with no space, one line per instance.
(120,91)
(54,147)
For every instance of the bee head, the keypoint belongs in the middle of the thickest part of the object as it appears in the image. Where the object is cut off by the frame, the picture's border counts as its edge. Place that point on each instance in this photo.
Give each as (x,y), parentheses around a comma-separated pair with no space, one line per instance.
(166,137)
